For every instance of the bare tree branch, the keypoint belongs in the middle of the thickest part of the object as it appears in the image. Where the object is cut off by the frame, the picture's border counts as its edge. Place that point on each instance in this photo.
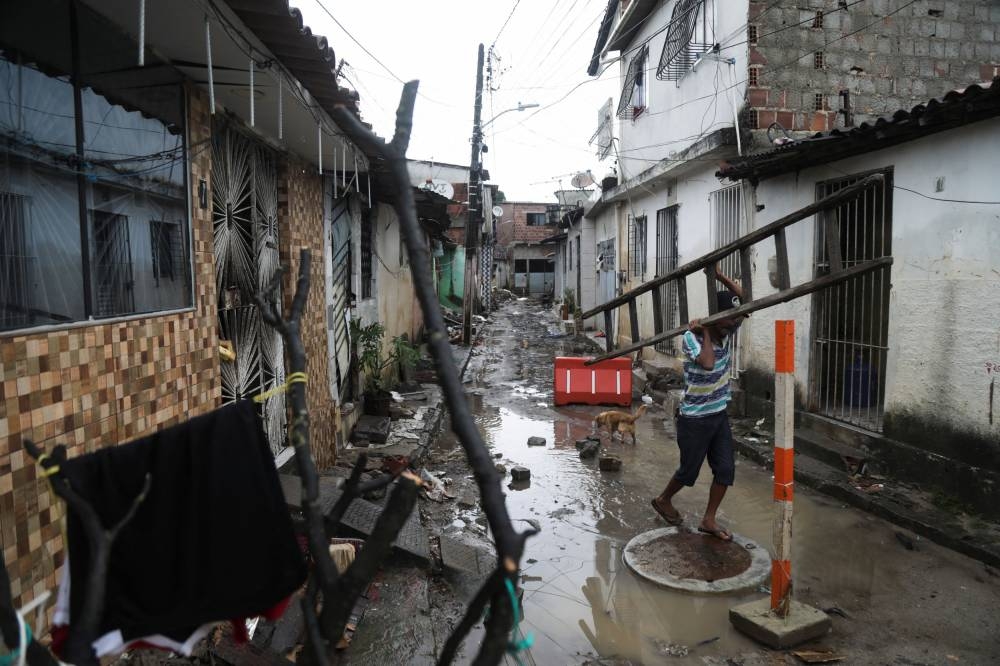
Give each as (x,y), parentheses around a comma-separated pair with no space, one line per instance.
(510,544)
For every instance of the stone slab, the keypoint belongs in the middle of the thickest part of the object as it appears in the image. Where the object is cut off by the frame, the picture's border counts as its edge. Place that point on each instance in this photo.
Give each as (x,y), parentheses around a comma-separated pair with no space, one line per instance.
(458,555)
(804,623)
(360,515)
(373,428)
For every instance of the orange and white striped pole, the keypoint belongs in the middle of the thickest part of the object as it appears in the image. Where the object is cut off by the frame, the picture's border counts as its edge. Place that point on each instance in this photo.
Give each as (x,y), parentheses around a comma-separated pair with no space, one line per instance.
(784,436)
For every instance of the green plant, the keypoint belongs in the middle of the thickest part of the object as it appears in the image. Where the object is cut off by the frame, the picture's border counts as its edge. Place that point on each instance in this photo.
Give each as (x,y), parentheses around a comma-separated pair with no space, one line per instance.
(569,300)
(368,341)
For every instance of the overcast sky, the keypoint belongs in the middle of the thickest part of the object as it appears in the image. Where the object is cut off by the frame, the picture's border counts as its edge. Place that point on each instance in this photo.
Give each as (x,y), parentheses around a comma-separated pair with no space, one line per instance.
(544,51)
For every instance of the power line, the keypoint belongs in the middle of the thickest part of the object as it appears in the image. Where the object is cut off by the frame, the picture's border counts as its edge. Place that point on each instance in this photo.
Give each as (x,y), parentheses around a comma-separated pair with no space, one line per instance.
(500,32)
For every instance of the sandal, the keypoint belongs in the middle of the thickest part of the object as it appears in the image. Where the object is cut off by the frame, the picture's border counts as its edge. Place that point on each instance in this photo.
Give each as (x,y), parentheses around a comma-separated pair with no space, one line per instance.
(670,520)
(718,533)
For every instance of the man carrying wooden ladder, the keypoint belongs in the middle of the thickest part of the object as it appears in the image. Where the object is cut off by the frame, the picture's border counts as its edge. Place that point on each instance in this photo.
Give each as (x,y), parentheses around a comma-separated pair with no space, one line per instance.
(702,421)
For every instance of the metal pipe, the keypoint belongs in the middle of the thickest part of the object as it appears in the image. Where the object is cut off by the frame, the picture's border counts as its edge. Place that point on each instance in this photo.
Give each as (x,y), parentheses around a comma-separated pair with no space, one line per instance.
(252,108)
(281,107)
(142,33)
(208,64)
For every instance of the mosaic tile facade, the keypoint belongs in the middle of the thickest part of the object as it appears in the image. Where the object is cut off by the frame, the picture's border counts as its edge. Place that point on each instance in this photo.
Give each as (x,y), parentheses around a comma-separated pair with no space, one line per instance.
(300,216)
(93,386)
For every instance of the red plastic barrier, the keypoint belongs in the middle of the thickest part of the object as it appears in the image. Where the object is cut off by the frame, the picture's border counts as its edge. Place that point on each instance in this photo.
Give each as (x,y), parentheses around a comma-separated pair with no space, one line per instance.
(605,383)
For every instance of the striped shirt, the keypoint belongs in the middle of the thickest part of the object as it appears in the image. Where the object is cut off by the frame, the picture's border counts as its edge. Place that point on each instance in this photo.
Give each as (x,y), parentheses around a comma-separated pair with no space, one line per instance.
(706,391)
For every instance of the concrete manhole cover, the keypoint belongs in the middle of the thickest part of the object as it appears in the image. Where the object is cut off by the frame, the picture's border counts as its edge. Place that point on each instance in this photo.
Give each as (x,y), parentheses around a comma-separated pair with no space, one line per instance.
(695,562)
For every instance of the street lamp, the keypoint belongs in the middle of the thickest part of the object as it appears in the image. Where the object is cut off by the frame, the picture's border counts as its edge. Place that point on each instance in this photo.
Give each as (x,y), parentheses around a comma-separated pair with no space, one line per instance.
(519,107)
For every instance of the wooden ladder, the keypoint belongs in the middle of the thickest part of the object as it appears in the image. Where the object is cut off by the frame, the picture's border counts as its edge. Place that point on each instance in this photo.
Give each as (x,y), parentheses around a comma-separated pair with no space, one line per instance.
(826,206)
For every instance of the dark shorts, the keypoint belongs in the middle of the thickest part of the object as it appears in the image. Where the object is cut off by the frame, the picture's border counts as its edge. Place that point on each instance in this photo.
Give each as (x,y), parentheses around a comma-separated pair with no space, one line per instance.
(701,437)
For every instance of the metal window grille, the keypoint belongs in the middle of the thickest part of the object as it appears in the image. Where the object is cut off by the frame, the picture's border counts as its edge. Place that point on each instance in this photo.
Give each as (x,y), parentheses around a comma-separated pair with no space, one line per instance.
(818,102)
(634,82)
(851,320)
(687,38)
(666,261)
(165,242)
(15,264)
(752,34)
(728,224)
(818,20)
(637,245)
(112,266)
(367,247)
(752,76)
(818,60)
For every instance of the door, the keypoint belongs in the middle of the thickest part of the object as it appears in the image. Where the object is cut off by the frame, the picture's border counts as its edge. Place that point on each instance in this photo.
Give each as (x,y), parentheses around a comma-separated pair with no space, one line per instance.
(579,273)
(338,291)
(245,239)
(851,319)
(666,261)
(607,279)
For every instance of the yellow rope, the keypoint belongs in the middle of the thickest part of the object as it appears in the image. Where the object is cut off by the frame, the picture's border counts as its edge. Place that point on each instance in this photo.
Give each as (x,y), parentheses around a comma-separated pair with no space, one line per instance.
(294,378)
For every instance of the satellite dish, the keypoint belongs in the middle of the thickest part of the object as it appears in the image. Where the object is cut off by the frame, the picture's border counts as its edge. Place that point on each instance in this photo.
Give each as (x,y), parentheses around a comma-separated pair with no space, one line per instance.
(497,211)
(582,180)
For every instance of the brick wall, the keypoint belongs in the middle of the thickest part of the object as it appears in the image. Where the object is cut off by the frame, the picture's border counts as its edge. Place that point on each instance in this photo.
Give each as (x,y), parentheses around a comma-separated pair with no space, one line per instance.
(519,231)
(887,59)
(94,386)
(300,220)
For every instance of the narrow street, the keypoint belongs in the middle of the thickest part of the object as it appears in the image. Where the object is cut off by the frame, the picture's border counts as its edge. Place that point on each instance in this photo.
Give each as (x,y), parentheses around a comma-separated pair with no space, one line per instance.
(889,604)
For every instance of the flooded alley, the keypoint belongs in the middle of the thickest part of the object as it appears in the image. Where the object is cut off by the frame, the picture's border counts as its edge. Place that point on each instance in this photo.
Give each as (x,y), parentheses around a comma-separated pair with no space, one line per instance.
(889,604)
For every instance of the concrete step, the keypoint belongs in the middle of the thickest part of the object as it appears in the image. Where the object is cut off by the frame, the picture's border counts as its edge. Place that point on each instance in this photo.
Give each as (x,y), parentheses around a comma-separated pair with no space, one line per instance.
(837,431)
(825,449)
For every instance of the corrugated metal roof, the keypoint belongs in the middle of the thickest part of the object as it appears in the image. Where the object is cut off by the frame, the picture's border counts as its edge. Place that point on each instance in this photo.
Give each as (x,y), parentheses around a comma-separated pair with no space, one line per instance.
(956,108)
(307,56)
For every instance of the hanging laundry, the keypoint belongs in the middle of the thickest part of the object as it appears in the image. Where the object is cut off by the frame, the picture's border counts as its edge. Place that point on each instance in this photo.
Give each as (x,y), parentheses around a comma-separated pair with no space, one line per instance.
(212,541)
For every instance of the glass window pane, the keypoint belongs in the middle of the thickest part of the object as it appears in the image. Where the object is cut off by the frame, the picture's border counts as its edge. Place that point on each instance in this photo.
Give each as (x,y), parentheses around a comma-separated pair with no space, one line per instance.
(40,258)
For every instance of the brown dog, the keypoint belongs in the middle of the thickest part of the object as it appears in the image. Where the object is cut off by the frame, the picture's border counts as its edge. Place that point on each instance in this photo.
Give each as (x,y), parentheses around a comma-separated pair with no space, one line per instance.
(621,422)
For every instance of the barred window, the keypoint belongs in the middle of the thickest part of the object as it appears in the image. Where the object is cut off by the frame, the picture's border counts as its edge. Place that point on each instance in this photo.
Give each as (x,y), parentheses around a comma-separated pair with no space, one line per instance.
(637,245)
(367,250)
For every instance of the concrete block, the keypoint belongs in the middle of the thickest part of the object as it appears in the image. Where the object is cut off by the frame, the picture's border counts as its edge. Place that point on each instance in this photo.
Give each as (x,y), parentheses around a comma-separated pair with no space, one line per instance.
(589,450)
(519,473)
(804,623)
(536,441)
(609,463)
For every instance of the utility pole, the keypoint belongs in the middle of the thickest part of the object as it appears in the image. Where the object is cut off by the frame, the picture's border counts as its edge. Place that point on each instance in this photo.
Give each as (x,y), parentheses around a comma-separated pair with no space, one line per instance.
(475,217)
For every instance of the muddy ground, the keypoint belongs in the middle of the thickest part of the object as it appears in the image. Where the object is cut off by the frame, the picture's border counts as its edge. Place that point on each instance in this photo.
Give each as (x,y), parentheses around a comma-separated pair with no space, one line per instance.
(889,604)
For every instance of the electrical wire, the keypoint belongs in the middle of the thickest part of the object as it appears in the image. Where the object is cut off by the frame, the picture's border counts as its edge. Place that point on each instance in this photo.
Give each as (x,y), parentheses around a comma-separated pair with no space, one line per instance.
(509,16)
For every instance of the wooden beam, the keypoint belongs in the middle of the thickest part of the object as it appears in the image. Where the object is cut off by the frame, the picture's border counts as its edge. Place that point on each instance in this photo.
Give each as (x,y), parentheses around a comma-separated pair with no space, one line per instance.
(657,309)
(831,232)
(781,258)
(608,333)
(633,320)
(746,274)
(837,198)
(710,278)
(759,304)
(682,299)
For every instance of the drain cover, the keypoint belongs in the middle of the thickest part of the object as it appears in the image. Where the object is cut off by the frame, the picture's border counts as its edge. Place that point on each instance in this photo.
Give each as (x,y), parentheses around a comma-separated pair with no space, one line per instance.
(695,562)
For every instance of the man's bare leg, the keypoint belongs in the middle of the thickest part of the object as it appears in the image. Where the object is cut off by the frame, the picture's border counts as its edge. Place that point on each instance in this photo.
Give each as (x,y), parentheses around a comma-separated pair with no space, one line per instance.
(663,502)
(708,524)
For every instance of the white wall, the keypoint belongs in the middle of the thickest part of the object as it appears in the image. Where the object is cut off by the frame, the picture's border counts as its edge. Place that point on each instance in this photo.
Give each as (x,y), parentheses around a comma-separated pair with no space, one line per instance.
(675,111)
(944,312)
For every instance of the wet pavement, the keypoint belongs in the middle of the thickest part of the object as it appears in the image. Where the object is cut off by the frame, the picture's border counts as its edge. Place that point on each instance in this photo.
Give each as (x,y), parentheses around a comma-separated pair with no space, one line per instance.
(889,604)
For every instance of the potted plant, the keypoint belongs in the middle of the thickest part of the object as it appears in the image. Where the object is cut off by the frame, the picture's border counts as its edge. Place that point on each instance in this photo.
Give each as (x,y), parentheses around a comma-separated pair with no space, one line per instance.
(375,367)
(569,303)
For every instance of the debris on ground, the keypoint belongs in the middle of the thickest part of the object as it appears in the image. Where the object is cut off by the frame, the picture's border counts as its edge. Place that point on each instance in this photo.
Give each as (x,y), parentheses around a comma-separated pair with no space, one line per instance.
(434,488)
(589,450)
(665,649)
(816,657)
(536,441)
(520,473)
(609,463)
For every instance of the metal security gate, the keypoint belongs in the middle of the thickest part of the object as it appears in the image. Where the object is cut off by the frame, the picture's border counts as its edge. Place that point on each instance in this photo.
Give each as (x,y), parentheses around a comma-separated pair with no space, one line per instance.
(851,320)
(338,290)
(666,261)
(607,280)
(245,226)
(728,224)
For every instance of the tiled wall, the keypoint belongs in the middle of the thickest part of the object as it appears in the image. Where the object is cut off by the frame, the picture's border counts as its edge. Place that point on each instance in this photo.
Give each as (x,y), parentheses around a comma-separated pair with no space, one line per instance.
(100,385)
(300,216)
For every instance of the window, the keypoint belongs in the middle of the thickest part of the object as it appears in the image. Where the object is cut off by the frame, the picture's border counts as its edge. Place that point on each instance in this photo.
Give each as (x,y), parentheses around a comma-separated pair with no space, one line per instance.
(633,99)
(752,75)
(568,251)
(367,246)
(818,60)
(114,242)
(689,35)
(752,34)
(637,246)
(536,219)
(818,20)
(666,261)
(728,224)
(818,102)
